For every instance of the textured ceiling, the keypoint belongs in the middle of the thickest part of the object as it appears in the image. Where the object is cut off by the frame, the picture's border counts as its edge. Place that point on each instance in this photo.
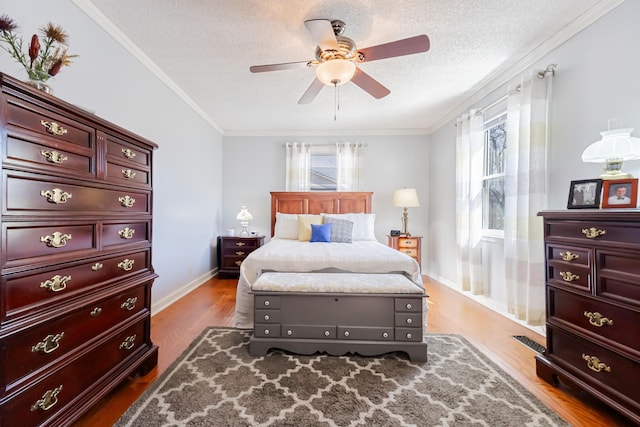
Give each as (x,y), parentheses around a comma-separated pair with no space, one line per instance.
(206,47)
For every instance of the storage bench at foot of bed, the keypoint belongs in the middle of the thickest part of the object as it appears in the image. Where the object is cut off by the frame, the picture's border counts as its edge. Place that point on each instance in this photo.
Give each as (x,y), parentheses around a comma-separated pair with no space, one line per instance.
(339,323)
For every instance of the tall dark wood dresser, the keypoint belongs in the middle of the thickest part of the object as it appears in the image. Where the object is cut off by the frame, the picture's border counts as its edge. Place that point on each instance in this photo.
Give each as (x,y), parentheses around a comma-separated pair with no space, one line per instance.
(593,304)
(75,258)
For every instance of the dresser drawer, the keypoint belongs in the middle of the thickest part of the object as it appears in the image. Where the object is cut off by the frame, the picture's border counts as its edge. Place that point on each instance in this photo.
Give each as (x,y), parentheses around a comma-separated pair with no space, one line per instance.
(409,251)
(619,325)
(49,342)
(73,378)
(233,244)
(595,233)
(583,358)
(408,334)
(122,151)
(368,333)
(570,255)
(30,240)
(573,276)
(60,158)
(231,262)
(36,194)
(308,331)
(408,319)
(407,242)
(47,124)
(266,330)
(31,290)
(125,233)
(267,316)
(128,175)
(619,276)
(408,304)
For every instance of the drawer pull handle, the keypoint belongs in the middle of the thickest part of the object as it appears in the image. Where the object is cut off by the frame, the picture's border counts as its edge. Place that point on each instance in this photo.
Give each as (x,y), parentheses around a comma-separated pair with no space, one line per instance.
(289,332)
(95,312)
(129,342)
(238,263)
(267,317)
(53,128)
(241,244)
(327,333)
(53,156)
(128,173)
(56,240)
(56,195)
(408,306)
(239,253)
(48,401)
(346,333)
(49,344)
(127,233)
(594,363)
(127,201)
(126,264)
(569,256)
(385,335)
(266,303)
(97,266)
(568,276)
(129,304)
(409,335)
(597,319)
(409,321)
(267,332)
(128,153)
(592,232)
(56,284)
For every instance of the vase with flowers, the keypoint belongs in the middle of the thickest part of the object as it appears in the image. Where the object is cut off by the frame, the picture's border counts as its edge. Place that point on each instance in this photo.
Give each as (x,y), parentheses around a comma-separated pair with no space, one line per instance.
(46,55)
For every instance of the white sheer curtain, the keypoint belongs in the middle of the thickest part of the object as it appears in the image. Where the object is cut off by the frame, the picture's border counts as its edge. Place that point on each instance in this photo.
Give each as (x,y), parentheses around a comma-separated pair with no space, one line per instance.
(525,185)
(349,158)
(469,163)
(298,165)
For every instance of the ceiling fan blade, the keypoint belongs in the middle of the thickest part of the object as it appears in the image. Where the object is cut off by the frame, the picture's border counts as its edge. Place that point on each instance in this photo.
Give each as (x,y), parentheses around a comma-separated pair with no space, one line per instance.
(311,92)
(277,67)
(322,33)
(417,44)
(369,84)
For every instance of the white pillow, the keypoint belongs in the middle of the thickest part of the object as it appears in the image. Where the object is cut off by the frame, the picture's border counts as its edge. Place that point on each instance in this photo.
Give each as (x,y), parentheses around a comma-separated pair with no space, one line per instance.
(286,226)
(363,224)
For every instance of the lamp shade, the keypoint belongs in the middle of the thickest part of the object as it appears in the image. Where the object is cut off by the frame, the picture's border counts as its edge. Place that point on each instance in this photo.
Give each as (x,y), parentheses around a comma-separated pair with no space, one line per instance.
(616,144)
(406,198)
(244,214)
(335,71)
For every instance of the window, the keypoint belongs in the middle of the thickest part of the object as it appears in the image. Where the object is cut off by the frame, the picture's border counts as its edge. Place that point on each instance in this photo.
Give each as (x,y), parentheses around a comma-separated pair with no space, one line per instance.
(323,169)
(495,144)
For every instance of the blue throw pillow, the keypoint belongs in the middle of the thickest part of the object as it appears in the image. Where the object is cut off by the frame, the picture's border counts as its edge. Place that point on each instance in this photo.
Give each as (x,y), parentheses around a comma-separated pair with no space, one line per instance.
(320,233)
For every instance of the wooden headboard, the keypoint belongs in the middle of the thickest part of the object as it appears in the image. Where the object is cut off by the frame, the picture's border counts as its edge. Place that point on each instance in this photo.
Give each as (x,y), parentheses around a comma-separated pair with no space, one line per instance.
(315,202)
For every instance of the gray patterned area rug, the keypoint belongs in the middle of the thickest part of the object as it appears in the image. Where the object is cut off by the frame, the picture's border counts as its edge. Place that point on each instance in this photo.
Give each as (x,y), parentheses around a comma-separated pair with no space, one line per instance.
(216,383)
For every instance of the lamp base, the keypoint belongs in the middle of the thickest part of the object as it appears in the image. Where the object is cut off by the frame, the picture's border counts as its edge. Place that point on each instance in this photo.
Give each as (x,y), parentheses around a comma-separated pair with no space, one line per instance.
(615,175)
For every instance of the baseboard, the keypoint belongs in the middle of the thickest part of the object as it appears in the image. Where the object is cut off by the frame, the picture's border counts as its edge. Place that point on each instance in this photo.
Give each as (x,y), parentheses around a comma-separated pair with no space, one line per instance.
(165,302)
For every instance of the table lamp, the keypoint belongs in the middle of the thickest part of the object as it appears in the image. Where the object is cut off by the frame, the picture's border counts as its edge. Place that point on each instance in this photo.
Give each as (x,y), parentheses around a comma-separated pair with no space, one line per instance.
(405,198)
(244,216)
(615,147)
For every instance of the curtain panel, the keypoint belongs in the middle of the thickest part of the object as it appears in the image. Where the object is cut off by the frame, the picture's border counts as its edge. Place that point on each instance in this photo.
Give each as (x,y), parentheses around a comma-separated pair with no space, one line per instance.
(469,163)
(525,187)
(298,166)
(349,159)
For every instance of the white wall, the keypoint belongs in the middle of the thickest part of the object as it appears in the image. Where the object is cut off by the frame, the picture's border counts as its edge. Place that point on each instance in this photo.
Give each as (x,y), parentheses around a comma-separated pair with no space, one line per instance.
(596,80)
(254,166)
(187,176)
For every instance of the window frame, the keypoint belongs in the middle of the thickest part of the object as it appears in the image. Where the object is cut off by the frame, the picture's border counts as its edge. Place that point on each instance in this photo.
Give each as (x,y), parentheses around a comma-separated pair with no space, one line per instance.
(326,151)
(498,118)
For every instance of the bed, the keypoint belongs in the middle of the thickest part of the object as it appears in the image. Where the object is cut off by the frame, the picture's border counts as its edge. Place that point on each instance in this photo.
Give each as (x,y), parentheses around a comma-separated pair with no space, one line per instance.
(334,295)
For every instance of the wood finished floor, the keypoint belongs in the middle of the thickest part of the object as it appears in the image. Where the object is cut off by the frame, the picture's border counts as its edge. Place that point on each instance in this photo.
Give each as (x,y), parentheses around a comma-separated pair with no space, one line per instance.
(212,304)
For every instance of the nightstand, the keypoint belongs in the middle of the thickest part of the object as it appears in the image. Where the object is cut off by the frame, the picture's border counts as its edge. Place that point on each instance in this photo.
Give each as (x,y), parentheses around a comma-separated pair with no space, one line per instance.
(232,250)
(409,245)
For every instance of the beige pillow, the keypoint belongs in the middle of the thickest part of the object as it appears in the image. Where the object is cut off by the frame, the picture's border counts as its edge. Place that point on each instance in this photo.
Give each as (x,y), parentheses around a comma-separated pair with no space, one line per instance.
(304,226)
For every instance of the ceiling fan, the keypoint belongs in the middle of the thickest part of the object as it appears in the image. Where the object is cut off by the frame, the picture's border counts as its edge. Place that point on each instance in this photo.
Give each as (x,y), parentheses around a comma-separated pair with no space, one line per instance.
(337,55)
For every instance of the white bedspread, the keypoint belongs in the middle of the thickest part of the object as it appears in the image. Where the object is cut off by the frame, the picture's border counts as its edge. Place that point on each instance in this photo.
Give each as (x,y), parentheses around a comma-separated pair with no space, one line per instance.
(285,255)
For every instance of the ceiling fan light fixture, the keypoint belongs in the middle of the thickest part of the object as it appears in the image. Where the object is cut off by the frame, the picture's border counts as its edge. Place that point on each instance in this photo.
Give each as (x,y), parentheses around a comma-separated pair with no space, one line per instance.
(335,72)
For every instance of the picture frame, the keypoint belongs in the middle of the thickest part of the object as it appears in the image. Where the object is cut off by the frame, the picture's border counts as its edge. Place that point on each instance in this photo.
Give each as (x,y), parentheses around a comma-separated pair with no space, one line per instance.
(620,193)
(585,194)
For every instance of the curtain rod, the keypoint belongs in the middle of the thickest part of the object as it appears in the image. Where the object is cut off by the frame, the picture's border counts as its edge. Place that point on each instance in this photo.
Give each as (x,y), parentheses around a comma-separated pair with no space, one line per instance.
(493,104)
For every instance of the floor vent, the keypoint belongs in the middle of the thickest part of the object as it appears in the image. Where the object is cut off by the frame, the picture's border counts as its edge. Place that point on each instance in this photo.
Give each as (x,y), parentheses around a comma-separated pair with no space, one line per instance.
(530,343)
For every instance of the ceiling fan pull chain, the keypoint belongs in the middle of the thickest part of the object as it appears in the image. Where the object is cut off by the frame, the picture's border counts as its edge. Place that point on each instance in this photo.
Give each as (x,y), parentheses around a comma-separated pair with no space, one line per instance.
(336,105)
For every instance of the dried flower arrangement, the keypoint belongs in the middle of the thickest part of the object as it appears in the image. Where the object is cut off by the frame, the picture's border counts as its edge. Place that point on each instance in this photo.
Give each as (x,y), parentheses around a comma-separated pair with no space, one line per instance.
(47,53)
